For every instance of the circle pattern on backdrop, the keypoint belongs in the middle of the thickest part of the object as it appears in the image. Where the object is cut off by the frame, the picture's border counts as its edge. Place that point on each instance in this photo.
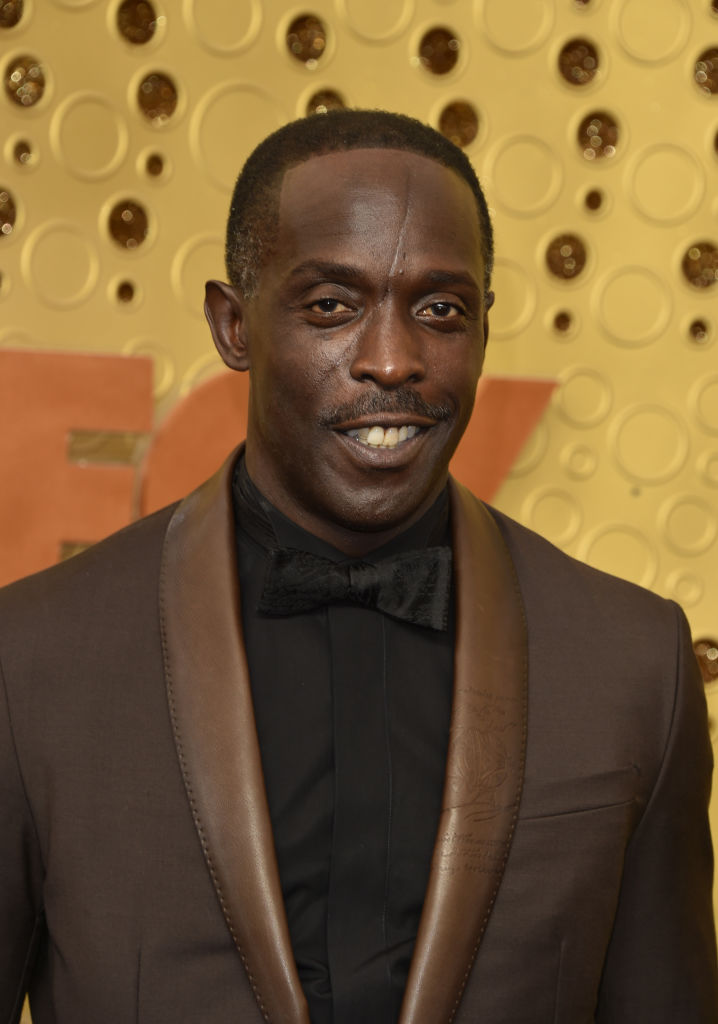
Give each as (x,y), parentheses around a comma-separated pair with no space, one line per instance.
(60,264)
(598,136)
(25,81)
(634,306)
(578,61)
(650,443)
(89,136)
(98,93)
(526,174)
(648,38)
(667,183)
(459,122)
(517,26)
(622,550)
(222,28)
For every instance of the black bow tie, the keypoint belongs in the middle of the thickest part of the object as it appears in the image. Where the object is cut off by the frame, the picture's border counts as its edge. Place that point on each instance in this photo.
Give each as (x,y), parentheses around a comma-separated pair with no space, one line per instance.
(414,586)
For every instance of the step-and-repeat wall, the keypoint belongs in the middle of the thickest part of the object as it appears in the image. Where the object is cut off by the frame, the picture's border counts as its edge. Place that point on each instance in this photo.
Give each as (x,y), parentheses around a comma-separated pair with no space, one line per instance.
(593,125)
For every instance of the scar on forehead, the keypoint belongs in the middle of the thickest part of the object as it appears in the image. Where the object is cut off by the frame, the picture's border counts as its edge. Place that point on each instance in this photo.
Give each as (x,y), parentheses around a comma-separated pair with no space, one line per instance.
(399,250)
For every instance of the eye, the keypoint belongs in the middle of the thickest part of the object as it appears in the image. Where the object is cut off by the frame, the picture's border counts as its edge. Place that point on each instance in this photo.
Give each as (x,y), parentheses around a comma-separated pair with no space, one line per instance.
(441,311)
(328,306)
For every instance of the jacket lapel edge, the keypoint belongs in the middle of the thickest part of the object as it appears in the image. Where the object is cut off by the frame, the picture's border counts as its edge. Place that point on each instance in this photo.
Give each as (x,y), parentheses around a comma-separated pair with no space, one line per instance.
(485,765)
(212,716)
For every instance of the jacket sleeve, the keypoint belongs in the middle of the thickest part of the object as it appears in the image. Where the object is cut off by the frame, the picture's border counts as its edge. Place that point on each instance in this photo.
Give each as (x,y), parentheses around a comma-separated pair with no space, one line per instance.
(661,963)
(21,919)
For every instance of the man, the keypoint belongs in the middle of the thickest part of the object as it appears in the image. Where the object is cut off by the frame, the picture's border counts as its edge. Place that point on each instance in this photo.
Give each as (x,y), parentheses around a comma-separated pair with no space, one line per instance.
(237,780)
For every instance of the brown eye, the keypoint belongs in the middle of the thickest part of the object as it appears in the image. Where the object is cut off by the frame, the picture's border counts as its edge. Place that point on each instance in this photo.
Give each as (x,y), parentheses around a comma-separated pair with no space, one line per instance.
(442,310)
(328,306)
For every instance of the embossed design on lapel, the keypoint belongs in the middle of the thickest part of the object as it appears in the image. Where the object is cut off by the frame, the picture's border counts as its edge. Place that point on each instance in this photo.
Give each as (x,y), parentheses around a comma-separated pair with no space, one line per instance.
(213,720)
(485,765)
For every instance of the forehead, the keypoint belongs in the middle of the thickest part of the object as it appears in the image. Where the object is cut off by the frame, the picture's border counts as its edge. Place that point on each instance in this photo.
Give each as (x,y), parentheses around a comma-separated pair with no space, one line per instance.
(365,198)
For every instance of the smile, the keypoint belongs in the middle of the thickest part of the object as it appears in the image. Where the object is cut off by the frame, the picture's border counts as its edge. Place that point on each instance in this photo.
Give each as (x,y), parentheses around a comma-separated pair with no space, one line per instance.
(380,437)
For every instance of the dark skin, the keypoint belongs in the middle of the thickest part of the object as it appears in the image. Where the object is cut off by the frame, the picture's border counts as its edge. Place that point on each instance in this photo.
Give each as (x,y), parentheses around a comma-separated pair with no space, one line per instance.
(369,313)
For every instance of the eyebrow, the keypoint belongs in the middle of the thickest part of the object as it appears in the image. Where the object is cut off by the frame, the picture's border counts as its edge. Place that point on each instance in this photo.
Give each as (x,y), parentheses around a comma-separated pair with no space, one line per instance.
(331,271)
(326,269)
(449,277)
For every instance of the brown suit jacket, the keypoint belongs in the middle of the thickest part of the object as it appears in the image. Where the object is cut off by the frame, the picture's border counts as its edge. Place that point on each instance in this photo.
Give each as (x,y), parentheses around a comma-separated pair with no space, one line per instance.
(572,869)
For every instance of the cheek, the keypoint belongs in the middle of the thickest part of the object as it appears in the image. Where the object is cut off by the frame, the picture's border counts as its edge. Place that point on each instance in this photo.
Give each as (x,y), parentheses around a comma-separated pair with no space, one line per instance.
(306,375)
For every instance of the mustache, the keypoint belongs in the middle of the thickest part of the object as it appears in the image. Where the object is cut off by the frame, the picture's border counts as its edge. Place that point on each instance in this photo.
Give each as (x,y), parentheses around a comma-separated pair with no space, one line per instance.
(403,400)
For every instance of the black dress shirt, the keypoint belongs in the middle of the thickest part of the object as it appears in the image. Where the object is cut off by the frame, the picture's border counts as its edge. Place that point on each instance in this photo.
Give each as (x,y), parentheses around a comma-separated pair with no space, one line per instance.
(352,710)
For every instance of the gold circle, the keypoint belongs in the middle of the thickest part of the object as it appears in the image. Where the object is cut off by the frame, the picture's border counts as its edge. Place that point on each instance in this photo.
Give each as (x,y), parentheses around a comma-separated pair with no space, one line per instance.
(376,22)
(89,137)
(666,183)
(516,299)
(21,151)
(703,400)
(517,26)
(647,36)
(650,443)
(459,122)
(306,39)
(579,461)
(584,397)
(578,62)
(320,101)
(220,154)
(223,28)
(685,587)
(136,21)
(60,264)
(163,363)
(531,453)
(128,223)
(621,549)
(689,524)
(633,306)
(26,80)
(198,259)
(526,175)
(12,14)
(118,296)
(554,513)
(707,466)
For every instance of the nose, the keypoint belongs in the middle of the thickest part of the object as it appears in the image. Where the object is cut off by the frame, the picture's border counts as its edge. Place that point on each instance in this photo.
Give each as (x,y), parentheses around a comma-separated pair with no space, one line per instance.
(389,349)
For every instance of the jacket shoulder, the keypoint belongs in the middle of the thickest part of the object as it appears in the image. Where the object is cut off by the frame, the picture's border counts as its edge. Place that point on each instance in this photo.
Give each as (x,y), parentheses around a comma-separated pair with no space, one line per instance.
(89,584)
(550,575)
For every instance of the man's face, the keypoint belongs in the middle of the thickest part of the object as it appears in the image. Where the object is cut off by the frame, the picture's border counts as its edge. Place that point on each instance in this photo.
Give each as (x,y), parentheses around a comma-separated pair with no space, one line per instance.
(364,342)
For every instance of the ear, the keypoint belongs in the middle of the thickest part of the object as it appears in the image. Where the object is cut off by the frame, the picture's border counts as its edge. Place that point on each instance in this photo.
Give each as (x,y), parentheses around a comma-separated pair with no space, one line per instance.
(487,306)
(224,310)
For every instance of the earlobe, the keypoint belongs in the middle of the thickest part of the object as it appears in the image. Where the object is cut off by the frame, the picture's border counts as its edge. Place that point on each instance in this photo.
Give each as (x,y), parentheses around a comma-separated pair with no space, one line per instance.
(224,311)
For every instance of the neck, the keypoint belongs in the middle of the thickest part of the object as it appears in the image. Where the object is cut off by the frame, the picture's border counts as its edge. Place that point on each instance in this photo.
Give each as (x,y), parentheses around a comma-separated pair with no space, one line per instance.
(354,542)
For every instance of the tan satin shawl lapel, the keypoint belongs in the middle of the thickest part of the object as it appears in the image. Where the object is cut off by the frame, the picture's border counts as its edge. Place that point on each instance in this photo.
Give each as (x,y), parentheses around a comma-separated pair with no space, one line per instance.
(211,708)
(485,765)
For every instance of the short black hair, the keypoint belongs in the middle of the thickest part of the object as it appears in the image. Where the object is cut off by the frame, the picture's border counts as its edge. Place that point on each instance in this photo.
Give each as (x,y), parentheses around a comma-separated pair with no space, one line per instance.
(254,211)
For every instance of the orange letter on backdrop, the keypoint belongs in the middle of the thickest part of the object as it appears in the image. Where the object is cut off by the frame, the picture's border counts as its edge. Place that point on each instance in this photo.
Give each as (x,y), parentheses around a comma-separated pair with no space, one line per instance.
(44,499)
(195,438)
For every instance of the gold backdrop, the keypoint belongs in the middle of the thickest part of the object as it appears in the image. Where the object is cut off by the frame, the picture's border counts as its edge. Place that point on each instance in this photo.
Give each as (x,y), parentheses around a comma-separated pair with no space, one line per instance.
(593,126)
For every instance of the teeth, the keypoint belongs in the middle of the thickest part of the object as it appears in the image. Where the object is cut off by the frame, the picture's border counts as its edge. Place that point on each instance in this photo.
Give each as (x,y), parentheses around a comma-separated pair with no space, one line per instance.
(378,437)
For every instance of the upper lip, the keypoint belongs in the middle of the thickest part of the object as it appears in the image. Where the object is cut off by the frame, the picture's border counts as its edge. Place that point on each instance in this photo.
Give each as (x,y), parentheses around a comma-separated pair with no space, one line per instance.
(385,420)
